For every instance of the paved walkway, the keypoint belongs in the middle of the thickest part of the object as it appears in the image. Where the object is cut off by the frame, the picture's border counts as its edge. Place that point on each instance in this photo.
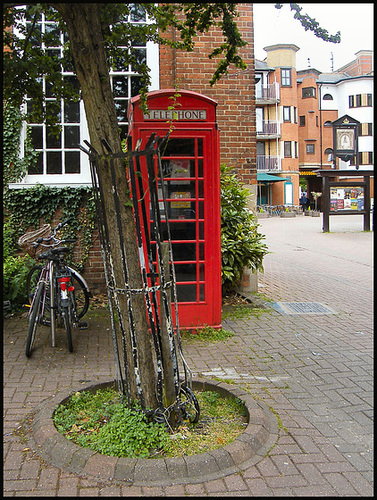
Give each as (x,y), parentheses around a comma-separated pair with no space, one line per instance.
(313,371)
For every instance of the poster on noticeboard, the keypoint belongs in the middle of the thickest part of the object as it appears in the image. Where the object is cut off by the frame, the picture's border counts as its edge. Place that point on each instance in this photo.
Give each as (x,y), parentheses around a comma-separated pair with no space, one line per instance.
(346,198)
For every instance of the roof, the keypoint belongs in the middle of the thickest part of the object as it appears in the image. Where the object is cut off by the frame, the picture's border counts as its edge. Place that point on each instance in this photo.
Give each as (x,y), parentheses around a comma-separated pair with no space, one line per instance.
(262,65)
(335,77)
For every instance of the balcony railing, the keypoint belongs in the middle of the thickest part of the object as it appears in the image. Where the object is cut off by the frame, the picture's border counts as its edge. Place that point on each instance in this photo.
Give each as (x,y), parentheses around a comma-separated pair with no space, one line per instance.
(268,163)
(270,93)
(268,128)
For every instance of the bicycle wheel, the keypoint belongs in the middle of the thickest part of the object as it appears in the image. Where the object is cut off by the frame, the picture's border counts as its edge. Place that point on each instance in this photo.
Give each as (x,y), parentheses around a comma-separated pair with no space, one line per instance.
(32,280)
(34,319)
(67,318)
(80,295)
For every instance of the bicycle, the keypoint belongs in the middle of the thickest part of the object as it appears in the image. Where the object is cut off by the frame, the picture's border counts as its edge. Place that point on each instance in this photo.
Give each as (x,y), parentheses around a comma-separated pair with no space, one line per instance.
(57,293)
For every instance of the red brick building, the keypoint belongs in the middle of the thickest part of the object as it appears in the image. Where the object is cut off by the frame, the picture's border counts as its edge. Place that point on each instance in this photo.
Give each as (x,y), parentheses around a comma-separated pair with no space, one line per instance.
(362,65)
(234,93)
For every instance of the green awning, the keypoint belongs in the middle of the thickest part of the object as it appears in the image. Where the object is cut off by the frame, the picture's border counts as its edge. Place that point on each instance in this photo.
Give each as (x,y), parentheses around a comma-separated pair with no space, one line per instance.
(263,177)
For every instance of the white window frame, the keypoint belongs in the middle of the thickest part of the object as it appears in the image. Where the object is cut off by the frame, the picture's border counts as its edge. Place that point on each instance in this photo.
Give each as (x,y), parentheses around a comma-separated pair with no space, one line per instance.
(83,178)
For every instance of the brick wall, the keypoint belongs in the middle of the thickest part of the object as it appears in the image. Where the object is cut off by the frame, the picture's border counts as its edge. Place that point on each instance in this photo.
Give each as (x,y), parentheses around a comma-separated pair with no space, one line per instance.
(234,93)
(362,65)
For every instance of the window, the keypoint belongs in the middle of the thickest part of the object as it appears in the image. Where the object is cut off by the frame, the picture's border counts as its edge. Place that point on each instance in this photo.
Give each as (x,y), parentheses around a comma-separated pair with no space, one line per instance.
(296,149)
(365,158)
(327,97)
(286,77)
(327,124)
(259,116)
(360,100)
(302,121)
(365,129)
(287,149)
(260,148)
(286,113)
(59,155)
(125,83)
(310,149)
(295,114)
(308,92)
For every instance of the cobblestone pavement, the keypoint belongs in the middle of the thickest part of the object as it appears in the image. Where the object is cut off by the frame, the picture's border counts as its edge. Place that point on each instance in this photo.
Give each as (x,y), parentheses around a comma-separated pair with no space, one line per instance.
(312,370)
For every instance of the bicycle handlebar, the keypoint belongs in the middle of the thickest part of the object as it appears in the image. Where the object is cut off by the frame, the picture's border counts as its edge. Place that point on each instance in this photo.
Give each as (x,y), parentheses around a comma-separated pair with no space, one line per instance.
(41,241)
(62,224)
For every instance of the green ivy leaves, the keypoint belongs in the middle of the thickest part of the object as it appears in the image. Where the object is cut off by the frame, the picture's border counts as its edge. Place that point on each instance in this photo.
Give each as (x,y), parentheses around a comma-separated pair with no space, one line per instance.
(26,209)
(15,167)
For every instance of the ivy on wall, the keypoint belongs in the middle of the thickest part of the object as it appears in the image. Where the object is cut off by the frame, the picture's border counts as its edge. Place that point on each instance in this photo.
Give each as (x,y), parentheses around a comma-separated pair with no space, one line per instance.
(14,165)
(28,208)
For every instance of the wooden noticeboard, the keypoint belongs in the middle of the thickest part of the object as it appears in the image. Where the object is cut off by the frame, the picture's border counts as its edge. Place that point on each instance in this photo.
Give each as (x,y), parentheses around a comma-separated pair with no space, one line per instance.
(345,197)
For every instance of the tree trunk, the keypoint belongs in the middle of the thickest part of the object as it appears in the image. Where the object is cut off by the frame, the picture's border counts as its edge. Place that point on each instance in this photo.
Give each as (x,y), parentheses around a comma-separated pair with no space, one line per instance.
(88,50)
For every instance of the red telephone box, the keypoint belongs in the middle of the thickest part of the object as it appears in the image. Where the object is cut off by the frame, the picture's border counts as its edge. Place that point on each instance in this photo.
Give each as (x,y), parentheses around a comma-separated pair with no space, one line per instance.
(191,170)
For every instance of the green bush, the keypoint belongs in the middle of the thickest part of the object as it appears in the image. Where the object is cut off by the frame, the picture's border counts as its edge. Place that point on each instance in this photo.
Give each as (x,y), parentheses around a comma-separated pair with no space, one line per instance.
(15,270)
(241,243)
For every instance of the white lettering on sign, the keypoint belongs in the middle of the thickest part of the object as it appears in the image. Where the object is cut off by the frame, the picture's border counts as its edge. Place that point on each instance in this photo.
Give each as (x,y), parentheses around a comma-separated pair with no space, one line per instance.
(179,114)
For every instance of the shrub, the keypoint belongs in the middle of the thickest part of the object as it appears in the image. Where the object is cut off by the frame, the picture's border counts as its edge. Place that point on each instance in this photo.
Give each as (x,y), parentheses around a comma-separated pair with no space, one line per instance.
(15,270)
(241,243)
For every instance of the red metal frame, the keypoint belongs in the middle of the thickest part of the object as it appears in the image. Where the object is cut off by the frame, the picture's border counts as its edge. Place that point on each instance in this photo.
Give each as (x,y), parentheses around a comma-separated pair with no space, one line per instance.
(192,178)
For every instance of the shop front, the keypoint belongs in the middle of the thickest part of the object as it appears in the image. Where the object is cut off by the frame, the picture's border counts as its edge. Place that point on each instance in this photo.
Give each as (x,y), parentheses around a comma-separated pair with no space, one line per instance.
(265,182)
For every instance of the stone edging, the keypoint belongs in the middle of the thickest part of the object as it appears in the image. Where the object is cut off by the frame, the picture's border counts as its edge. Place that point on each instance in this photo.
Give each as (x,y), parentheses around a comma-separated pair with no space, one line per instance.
(246,450)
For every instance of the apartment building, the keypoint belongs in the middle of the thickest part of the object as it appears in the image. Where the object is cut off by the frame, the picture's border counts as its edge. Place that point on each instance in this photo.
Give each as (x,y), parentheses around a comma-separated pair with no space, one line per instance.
(276,126)
(304,105)
(324,97)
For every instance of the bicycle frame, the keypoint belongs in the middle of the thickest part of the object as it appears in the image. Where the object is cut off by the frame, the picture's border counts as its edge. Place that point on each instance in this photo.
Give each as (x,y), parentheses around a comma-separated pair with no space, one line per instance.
(46,277)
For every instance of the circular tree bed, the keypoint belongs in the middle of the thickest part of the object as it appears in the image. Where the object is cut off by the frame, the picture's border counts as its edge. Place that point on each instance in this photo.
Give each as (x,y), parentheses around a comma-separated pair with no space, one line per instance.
(102,422)
(258,435)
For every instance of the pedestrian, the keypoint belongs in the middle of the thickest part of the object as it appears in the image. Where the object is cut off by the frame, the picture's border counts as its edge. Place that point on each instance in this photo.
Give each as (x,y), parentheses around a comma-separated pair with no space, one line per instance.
(303,201)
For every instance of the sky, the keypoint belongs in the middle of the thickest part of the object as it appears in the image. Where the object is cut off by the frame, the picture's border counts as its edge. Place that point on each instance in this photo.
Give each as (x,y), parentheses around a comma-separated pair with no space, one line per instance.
(353,20)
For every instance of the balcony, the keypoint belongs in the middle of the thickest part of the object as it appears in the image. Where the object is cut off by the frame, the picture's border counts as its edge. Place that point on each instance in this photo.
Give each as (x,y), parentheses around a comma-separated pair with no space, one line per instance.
(268,95)
(268,163)
(268,129)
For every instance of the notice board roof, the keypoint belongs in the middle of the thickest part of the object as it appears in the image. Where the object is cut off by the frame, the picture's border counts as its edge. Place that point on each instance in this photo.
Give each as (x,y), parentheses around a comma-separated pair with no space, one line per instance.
(344,173)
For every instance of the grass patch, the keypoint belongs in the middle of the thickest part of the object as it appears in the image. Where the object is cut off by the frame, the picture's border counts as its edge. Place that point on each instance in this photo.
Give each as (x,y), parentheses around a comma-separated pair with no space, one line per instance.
(242,312)
(207,334)
(236,307)
(101,422)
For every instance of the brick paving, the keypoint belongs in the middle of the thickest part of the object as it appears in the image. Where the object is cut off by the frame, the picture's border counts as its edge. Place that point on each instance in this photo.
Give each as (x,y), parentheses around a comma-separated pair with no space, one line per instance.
(313,373)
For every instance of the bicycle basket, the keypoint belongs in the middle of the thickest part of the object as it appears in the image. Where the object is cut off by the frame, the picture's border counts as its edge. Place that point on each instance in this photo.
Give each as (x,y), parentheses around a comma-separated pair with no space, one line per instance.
(26,240)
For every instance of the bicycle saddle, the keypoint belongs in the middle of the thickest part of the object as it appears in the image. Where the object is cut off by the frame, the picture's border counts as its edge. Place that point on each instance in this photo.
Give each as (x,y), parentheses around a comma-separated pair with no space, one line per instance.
(60,250)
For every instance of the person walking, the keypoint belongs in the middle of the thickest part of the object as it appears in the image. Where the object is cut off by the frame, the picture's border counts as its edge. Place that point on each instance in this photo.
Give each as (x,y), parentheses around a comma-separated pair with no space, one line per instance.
(304,201)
